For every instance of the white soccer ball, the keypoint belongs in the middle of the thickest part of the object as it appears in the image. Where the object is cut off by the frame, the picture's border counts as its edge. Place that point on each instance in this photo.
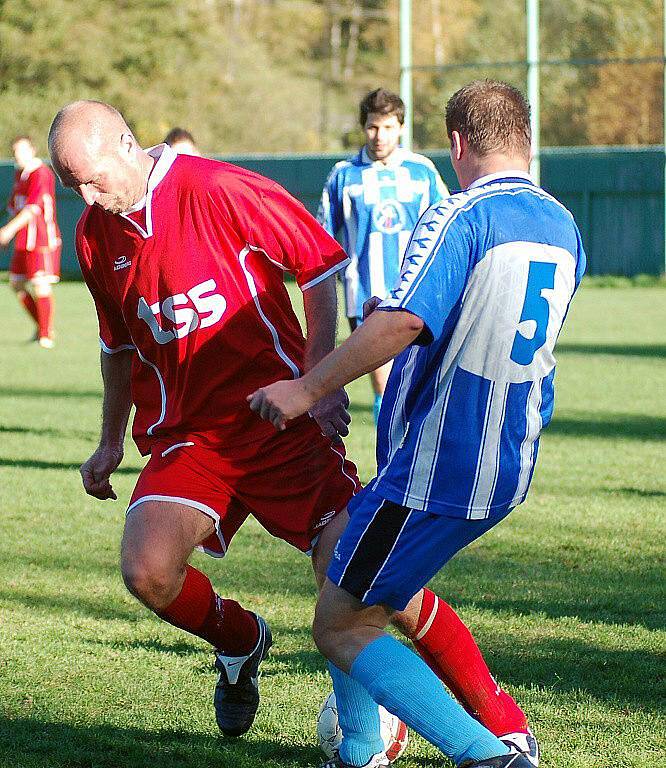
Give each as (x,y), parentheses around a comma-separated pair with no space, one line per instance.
(394,732)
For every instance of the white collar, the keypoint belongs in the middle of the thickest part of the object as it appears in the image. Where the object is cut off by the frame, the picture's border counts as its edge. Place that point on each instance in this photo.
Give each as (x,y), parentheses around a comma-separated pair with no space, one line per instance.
(394,160)
(164,157)
(500,175)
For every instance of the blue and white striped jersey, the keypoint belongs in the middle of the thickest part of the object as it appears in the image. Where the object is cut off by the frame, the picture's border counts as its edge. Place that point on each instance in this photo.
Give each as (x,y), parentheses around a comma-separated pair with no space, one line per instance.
(491,272)
(376,207)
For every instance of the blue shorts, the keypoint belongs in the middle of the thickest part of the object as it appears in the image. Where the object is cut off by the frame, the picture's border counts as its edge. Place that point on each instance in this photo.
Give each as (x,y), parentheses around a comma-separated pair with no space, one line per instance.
(388,552)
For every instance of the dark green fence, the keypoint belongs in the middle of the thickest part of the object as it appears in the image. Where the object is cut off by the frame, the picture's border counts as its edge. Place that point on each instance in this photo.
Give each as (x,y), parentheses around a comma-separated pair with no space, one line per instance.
(616,195)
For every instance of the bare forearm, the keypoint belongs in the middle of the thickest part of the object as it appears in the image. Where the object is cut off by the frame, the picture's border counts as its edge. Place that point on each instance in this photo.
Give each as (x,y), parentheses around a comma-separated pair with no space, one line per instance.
(116,371)
(15,225)
(321,310)
(381,337)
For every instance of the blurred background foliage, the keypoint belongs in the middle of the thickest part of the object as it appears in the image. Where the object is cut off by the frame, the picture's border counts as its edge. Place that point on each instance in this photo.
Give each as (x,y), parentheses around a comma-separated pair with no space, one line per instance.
(287,75)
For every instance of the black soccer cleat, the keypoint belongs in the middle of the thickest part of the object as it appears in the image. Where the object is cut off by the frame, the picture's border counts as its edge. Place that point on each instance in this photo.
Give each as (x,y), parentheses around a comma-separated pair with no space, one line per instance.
(515,760)
(237,691)
(524,742)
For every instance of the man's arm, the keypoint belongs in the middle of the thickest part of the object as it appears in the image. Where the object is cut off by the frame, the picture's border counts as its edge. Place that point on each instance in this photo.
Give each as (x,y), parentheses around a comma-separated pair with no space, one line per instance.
(116,407)
(15,225)
(321,311)
(381,337)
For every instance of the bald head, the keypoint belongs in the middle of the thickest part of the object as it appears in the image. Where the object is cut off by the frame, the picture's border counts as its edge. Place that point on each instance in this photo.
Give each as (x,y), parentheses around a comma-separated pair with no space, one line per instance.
(84,122)
(94,152)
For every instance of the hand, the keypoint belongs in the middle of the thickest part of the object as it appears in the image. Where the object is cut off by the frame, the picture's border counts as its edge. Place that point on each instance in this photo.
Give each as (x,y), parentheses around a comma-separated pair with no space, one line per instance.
(331,415)
(5,237)
(370,306)
(95,473)
(280,402)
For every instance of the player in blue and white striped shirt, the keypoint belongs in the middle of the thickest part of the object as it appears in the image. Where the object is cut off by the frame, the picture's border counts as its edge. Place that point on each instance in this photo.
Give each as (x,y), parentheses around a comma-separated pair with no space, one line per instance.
(374,200)
(485,287)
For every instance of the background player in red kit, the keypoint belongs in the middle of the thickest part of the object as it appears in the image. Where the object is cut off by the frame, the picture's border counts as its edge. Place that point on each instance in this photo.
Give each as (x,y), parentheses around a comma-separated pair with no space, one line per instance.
(35,265)
(184,257)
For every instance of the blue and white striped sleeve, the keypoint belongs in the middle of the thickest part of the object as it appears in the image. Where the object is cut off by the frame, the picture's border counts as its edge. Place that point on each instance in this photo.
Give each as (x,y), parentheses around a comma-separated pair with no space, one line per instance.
(435,270)
(330,213)
(438,189)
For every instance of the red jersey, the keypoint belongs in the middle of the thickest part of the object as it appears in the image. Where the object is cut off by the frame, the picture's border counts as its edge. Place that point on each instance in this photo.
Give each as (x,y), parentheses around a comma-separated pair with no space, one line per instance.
(193,281)
(35,187)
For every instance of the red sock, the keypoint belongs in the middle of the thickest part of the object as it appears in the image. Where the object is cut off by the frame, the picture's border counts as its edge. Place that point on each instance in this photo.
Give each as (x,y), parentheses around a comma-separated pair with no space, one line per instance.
(44,315)
(226,625)
(29,303)
(449,649)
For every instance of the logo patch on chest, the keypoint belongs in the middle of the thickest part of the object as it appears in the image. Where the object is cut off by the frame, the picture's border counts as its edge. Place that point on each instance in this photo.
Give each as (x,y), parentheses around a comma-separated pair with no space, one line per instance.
(389,216)
(122,262)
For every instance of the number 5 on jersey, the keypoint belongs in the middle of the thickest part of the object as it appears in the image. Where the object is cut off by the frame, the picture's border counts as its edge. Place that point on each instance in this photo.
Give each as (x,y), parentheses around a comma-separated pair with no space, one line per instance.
(541,276)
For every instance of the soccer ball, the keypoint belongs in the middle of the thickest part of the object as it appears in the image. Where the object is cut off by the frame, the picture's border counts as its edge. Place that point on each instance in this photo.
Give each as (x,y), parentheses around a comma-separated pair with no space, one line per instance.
(393,730)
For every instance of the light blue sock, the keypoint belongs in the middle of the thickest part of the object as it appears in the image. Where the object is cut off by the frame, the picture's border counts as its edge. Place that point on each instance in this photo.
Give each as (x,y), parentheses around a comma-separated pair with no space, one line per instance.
(397,679)
(358,716)
(377,407)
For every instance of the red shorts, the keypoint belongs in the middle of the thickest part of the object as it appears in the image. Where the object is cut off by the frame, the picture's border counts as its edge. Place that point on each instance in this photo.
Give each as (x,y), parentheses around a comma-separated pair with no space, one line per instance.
(293,483)
(41,263)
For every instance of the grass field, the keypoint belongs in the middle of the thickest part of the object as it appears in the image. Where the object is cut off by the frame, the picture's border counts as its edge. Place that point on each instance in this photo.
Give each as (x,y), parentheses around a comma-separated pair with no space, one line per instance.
(566,598)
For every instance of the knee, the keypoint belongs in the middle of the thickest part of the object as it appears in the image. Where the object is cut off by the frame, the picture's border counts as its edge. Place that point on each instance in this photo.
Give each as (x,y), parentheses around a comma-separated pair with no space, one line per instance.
(152,583)
(41,288)
(325,633)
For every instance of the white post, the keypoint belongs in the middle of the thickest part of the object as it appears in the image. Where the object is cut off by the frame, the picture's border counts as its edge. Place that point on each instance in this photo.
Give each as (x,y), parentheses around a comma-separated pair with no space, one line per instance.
(406,70)
(533,84)
(664,118)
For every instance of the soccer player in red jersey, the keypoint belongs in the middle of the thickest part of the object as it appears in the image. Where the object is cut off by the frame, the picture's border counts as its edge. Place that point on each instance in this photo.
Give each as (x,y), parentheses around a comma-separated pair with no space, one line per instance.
(35,265)
(185,257)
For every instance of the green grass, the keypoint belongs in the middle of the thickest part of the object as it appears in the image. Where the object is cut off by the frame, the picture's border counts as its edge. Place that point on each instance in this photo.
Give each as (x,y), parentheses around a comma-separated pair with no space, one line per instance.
(566,597)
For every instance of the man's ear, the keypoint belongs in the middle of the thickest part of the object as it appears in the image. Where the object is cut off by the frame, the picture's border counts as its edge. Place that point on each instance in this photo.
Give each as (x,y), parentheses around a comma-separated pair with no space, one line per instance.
(458,145)
(127,143)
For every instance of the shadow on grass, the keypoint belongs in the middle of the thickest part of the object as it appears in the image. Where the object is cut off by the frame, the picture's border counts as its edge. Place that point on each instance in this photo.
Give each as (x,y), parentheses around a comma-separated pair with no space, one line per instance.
(51,431)
(624,677)
(72,564)
(62,745)
(50,393)
(627,350)
(68,465)
(641,493)
(96,608)
(609,425)
(307,661)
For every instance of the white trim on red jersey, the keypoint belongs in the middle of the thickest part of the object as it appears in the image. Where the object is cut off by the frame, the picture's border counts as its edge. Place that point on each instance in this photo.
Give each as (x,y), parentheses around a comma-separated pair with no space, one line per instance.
(164,157)
(242,256)
(112,350)
(335,268)
(160,378)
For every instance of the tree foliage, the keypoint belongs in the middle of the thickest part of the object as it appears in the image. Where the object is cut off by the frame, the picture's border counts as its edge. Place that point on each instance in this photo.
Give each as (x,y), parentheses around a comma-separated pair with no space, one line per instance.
(287,75)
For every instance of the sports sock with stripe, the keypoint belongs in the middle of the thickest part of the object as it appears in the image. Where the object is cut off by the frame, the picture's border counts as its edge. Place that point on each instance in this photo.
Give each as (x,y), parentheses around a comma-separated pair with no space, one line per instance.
(447,646)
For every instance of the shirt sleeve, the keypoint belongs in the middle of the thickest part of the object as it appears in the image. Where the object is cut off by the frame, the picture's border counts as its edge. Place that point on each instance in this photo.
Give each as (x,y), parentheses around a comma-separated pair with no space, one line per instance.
(38,187)
(581,261)
(295,239)
(438,189)
(330,213)
(434,273)
(113,333)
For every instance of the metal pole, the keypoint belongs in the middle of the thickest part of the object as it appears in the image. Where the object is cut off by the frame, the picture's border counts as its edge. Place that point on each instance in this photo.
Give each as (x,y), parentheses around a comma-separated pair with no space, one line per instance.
(664,118)
(406,70)
(533,84)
